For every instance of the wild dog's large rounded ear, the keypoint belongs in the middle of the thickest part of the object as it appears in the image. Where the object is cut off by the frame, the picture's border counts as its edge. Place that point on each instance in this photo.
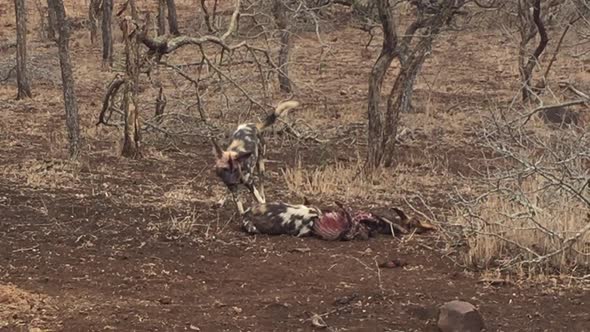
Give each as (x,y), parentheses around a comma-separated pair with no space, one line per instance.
(306,201)
(243,156)
(218,150)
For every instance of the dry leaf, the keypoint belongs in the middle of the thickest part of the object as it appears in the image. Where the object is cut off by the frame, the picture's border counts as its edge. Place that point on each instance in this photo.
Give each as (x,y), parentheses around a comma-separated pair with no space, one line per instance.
(318,321)
(301,250)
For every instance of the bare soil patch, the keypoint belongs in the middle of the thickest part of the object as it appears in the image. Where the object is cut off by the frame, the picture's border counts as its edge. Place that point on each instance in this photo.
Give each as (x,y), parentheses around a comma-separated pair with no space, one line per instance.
(113,244)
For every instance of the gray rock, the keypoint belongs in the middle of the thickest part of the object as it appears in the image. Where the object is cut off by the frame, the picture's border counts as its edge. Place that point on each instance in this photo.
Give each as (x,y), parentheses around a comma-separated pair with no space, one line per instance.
(459,316)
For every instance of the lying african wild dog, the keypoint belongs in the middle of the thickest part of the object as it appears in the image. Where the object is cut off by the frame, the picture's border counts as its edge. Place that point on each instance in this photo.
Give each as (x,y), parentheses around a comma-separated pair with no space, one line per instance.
(281,218)
(244,155)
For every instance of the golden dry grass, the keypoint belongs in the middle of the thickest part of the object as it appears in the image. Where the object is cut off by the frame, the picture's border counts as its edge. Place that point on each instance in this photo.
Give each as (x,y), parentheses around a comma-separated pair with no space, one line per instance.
(349,182)
(52,173)
(508,228)
(17,303)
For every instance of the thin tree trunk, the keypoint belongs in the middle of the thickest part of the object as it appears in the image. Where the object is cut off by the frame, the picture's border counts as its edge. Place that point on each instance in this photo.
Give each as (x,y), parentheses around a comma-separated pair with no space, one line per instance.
(400,97)
(160,105)
(375,135)
(132,136)
(107,33)
(399,101)
(280,16)
(93,18)
(149,24)
(71,105)
(43,19)
(134,12)
(526,70)
(161,17)
(22,75)
(51,24)
(172,19)
(382,135)
(207,17)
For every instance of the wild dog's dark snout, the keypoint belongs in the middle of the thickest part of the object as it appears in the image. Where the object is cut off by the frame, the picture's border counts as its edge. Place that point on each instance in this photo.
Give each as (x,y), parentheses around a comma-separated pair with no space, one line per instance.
(231,167)
(229,177)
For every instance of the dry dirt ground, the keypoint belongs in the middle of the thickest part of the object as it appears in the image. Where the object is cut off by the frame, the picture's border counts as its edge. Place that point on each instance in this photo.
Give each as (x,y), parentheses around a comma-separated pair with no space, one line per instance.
(139,245)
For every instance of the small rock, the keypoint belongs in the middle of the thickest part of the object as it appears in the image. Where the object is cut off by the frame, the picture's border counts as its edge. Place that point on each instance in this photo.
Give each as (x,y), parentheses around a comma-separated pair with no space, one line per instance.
(393,264)
(165,300)
(459,316)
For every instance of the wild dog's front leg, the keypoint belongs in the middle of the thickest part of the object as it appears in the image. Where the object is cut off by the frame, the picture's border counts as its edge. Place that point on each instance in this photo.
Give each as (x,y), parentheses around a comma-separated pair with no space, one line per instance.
(261,156)
(261,178)
(259,198)
(261,191)
(261,167)
(220,203)
(238,201)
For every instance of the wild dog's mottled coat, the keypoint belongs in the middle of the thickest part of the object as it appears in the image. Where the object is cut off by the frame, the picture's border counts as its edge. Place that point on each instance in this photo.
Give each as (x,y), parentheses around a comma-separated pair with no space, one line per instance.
(281,218)
(244,155)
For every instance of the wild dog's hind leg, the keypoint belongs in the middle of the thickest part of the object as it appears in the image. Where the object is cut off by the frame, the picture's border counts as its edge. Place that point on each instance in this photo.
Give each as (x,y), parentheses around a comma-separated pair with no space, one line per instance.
(261,192)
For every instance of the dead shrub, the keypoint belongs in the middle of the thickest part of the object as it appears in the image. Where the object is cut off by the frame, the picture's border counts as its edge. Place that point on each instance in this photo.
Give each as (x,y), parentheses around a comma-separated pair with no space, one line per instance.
(530,228)
(529,210)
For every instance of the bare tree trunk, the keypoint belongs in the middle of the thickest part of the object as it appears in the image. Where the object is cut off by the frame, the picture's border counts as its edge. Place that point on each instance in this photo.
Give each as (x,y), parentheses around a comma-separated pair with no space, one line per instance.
(43,27)
(132,136)
(51,24)
(160,105)
(107,33)
(280,16)
(93,18)
(71,105)
(528,31)
(207,17)
(148,24)
(382,133)
(22,75)
(172,18)
(134,12)
(375,150)
(399,100)
(161,17)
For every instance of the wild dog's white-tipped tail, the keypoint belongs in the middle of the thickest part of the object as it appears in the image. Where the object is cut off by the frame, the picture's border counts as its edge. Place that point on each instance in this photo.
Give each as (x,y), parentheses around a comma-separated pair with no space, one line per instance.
(285,106)
(281,109)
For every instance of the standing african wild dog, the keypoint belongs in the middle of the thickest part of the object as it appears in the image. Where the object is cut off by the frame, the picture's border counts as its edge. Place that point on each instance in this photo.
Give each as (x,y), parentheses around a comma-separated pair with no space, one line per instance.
(245,155)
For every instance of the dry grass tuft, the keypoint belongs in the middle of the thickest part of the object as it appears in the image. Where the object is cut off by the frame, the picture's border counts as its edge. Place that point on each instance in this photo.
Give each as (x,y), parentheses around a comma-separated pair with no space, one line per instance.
(18,306)
(341,181)
(179,195)
(52,173)
(529,231)
(176,228)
